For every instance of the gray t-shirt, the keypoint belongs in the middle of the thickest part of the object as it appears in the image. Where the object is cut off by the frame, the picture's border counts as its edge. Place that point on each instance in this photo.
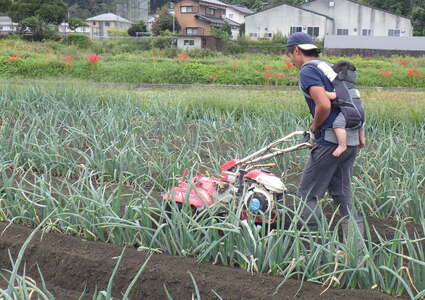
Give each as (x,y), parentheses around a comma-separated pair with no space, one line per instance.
(352,136)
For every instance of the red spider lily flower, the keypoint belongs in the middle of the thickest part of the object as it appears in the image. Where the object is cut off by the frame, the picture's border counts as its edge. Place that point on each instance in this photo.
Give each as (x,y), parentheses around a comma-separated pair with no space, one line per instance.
(13,58)
(92,59)
(268,67)
(403,62)
(183,56)
(267,75)
(235,64)
(386,74)
(412,72)
(421,75)
(279,75)
(68,58)
(289,64)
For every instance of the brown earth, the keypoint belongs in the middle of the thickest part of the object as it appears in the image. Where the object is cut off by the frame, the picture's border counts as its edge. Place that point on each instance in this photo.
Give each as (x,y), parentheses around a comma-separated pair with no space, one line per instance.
(69,265)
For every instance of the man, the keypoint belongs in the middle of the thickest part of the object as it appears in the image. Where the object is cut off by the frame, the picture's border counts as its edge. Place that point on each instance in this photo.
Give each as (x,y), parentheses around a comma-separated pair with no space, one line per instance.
(323,171)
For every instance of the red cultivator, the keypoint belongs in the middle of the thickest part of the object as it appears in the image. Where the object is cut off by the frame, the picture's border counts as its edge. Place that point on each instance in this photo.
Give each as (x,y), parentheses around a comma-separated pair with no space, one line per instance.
(243,179)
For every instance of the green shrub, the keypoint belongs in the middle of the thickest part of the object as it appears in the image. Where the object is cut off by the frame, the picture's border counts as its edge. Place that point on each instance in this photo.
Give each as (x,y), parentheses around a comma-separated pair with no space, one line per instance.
(162,42)
(77,39)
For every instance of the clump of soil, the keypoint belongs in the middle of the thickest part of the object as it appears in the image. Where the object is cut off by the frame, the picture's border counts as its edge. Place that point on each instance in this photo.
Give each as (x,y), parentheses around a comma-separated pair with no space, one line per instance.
(70,265)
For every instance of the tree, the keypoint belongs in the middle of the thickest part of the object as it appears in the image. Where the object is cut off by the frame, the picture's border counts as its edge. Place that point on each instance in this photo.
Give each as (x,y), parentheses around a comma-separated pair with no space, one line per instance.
(74,23)
(136,28)
(48,11)
(164,22)
(418,20)
(36,28)
(4,5)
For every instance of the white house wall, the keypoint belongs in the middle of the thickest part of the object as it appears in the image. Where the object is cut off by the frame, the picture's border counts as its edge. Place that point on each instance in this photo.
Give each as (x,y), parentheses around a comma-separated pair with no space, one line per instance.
(356,17)
(281,19)
(235,15)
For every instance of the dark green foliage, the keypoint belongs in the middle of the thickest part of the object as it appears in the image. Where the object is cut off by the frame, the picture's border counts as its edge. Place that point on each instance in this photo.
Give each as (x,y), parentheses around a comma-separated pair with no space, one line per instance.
(77,39)
(48,11)
(164,22)
(74,23)
(35,29)
(137,28)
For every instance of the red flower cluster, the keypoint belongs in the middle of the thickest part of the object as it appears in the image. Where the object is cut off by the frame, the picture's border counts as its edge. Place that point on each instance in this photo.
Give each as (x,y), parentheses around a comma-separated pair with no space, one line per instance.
(268,67)
(289,65)
(267,75)
(183,56)
(68,58)
(13,57)
(279,75)
(92,59)
(415,72)
(386,74)
(403,62)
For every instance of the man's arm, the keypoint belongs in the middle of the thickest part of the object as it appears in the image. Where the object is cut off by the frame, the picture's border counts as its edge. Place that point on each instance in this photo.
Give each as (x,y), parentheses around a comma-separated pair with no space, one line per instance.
(323,106)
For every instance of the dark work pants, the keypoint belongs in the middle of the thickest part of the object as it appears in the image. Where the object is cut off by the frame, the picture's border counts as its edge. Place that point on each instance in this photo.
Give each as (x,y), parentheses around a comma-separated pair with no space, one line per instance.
(323,173)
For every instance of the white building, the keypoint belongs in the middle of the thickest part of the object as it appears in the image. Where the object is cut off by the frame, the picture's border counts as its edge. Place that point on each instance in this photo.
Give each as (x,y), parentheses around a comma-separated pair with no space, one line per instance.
(64,29)
(237,14)
(353,18)
(287,19)
(100,24)
(327,17)
(7,26)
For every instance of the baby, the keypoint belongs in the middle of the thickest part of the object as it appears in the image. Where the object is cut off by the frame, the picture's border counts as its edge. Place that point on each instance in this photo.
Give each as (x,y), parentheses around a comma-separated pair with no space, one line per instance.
(347,97)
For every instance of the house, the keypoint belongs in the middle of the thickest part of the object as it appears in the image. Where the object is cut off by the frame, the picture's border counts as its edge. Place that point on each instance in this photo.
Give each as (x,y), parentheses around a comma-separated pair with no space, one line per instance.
(287,19)
(7,26)
(100,24)
(187,42)
(199,17)
(236,14)
(63,28)
(354,18)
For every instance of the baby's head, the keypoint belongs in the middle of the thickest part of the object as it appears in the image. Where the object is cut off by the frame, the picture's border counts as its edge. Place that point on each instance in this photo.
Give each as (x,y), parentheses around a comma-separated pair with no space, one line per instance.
(345,70)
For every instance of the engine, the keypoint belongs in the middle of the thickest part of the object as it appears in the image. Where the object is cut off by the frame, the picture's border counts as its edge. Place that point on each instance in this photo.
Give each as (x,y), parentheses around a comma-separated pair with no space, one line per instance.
(258,200)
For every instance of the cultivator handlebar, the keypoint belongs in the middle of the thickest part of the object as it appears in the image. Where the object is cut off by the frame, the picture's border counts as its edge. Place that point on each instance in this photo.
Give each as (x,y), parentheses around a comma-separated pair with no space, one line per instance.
(255,157)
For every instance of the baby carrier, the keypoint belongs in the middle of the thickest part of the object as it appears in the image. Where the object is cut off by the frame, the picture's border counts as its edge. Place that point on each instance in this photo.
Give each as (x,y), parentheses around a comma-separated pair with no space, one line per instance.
(348,96)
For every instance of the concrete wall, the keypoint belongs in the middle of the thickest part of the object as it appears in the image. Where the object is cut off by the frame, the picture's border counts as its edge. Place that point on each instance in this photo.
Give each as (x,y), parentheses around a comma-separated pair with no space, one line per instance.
(356,17)
(133,10)
(281,18)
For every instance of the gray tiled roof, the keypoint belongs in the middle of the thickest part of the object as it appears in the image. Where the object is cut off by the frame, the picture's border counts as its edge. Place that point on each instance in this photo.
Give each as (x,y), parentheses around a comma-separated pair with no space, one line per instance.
(416,43)
(241,9)
(108,17)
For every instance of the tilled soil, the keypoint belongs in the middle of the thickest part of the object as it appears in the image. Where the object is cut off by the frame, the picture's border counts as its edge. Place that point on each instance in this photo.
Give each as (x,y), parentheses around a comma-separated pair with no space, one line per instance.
(70,265)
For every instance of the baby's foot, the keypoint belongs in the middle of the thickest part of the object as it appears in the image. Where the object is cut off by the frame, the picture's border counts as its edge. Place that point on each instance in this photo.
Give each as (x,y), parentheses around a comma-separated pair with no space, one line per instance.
(339,150)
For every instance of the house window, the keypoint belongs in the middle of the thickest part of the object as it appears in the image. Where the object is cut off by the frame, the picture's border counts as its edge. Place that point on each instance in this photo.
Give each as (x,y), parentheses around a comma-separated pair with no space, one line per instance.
(394,32)
(186,9)
(107,24)
(295,29)
(192,31)
(268,35)
(210,11)
(331,3)
(253,34)
(189,42)
(342,32)
(366,32)
(94,23)
(1,27)
(313,31)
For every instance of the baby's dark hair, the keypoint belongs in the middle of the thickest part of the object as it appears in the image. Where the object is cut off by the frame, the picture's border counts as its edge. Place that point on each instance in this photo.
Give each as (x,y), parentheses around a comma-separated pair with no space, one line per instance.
(343,66)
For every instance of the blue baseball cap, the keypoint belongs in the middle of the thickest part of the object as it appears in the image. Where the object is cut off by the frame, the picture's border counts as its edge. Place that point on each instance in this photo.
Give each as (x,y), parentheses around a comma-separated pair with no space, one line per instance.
(302,40)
